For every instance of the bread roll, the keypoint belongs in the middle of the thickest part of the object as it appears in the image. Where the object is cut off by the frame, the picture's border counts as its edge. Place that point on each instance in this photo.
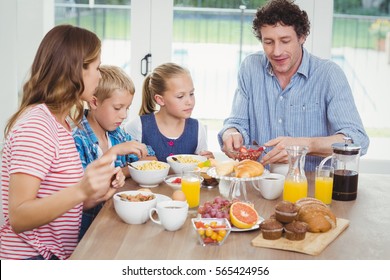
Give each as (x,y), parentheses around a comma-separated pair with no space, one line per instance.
(319,218)
(225,168)
(248,168)
(309,200)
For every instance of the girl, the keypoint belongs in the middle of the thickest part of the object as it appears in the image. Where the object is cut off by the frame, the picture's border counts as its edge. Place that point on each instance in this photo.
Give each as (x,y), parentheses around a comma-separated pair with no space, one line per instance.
(169,129)
(44,188)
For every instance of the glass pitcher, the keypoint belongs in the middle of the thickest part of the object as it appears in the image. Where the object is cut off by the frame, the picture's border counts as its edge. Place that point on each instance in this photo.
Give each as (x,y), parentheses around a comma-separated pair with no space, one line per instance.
(345,162)
(295,184)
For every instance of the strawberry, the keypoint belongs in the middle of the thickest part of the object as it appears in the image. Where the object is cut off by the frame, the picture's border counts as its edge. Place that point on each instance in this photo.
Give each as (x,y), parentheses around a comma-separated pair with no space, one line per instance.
(177,181)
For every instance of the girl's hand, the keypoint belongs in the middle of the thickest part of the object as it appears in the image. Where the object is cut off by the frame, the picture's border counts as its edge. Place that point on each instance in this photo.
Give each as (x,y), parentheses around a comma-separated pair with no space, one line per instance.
(207,154)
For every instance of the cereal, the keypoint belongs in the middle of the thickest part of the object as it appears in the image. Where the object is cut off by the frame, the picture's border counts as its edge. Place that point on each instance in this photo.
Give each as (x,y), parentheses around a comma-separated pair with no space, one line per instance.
(152,165)
(136,198)
(187,159)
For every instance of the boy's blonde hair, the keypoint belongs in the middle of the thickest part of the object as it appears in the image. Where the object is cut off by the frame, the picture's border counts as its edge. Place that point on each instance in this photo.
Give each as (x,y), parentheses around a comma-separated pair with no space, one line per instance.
(113,77)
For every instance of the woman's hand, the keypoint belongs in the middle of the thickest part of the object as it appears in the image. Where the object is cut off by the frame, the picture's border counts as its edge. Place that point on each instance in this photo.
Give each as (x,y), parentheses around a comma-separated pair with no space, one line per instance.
(98,176)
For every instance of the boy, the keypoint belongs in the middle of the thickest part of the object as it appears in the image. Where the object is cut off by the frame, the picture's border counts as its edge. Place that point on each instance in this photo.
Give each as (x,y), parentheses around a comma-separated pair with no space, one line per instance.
(100,129)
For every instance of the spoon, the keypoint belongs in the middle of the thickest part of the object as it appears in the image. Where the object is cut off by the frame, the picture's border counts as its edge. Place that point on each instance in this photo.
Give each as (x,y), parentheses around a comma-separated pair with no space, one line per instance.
(175,159)
(131,165)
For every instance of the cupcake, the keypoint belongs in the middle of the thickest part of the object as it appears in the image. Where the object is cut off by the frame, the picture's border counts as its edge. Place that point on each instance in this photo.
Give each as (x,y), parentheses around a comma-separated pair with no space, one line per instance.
(295,230)
(271,229)
(285,211)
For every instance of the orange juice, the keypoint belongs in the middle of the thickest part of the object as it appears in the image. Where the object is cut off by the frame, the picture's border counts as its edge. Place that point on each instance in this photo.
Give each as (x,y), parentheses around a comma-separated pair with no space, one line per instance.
(294,190)
(323,189)
(191,188)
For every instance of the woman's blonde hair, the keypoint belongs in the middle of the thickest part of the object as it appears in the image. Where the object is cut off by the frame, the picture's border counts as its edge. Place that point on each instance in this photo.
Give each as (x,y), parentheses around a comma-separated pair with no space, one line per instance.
(156,83)
(113,77)
(56,77)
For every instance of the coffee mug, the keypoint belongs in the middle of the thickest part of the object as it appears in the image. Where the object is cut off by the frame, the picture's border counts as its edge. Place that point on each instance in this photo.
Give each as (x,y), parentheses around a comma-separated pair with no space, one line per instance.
(172,214)
(270,185)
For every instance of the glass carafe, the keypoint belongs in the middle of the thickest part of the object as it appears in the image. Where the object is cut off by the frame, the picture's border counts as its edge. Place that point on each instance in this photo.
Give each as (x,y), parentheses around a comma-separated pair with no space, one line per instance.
(295,185)
(345,162)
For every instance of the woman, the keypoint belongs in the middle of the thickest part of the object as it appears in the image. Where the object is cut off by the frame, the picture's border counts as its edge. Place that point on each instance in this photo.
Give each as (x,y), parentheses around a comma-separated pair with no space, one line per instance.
(44,188)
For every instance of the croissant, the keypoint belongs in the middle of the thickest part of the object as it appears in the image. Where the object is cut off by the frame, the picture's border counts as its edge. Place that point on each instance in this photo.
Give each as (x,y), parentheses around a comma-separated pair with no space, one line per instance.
(248,168)
(319,218)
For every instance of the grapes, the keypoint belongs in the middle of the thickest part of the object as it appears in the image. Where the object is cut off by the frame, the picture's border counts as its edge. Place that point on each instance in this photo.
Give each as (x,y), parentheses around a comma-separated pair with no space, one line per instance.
(218,208)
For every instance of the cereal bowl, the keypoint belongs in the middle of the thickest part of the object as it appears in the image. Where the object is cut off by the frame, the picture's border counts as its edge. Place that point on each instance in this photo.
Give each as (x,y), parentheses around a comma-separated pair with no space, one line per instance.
(184,162)
(149,173)
(133,206)
(211,231)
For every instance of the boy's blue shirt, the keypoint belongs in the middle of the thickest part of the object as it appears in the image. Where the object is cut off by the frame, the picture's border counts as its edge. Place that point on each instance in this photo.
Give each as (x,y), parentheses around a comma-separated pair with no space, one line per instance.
(87,144)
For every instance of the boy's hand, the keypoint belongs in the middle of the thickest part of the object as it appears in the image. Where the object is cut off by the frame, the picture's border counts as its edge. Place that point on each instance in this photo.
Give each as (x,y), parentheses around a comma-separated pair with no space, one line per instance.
(131,147)
(118,179)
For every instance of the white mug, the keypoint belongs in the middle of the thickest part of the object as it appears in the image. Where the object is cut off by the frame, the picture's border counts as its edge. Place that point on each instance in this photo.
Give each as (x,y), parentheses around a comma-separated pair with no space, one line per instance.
(172,214)
(270,185)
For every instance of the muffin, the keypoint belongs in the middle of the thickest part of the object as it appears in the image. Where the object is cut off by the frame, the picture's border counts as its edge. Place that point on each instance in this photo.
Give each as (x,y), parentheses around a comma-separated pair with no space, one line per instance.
(285,211)
(295,230)
(271,229)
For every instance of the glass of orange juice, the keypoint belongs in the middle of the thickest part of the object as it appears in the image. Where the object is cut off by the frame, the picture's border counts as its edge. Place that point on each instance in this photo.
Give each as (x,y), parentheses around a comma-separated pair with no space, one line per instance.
(324,184)
(190,185)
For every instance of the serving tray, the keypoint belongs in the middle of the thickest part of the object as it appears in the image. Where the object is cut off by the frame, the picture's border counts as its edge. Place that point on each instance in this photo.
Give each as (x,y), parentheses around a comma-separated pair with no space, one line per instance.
(313,244)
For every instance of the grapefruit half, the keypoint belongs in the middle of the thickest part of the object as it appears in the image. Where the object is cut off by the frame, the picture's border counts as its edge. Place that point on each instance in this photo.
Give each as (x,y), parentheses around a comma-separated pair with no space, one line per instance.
(243,215)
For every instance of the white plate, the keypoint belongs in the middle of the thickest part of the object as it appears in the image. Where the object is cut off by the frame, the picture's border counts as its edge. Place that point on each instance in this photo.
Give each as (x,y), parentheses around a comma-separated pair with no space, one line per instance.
(256,226)
(161,197)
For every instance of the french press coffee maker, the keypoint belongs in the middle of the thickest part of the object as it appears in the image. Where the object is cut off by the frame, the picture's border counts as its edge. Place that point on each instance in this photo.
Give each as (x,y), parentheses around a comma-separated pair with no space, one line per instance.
(345,162)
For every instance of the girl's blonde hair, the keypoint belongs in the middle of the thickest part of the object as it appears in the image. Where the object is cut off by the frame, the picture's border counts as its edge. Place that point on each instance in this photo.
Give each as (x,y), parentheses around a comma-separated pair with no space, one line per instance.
(113,77)
(56,77)
(156,83)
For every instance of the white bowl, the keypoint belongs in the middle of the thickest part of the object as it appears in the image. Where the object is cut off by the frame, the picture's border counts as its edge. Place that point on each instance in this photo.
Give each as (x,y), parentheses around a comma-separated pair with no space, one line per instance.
(133,212)
(179,167)
(270,185)
(169,180)
(148,178)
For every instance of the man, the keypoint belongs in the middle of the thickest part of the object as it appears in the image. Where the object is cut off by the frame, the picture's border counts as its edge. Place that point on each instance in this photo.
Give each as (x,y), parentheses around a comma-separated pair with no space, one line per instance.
(286,96)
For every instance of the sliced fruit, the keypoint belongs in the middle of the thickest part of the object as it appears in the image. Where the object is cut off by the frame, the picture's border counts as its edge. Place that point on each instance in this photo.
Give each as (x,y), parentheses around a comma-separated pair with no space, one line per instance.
(206,163)
(243,215)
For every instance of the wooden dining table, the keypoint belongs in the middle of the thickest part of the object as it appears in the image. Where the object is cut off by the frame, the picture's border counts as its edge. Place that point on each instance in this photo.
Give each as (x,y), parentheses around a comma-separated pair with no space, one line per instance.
(366,238)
